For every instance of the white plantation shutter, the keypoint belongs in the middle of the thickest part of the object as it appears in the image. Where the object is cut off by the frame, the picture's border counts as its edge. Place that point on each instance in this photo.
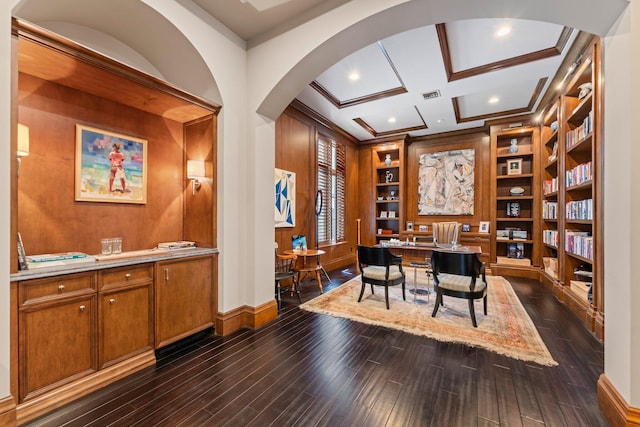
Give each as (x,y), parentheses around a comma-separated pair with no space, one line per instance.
(332,162)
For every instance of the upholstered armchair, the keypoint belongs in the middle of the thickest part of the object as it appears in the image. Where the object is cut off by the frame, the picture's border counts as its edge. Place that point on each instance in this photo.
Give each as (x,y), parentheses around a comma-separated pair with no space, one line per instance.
(378,266)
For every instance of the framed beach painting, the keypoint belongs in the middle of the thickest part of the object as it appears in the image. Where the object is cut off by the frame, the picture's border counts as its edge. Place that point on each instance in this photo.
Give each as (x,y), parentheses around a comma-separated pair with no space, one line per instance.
(110,167)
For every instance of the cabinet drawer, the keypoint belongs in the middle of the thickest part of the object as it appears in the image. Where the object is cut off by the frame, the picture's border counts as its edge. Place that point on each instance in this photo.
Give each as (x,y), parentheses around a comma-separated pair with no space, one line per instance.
(38,290)
(123,276)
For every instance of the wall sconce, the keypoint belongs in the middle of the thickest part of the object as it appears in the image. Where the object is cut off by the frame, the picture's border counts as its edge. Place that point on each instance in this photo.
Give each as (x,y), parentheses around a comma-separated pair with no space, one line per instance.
(23,143)
(195,172)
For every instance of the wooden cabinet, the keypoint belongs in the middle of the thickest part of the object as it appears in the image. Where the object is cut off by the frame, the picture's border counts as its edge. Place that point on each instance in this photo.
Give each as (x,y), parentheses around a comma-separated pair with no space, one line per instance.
(574,183)
(125,302)
(184,298)
(388,177)
(57,332)
(515,195)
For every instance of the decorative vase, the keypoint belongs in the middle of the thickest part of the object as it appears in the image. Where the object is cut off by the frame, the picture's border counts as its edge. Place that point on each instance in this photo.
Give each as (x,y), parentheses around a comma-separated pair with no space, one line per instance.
(514,146)
(387,160)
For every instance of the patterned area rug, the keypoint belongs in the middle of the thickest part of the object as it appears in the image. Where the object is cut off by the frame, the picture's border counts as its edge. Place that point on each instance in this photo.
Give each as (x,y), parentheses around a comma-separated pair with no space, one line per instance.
(507,328)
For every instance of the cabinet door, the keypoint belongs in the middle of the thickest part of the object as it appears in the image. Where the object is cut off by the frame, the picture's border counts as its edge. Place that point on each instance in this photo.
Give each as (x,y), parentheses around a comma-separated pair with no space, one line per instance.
(57,344)
(184,298)
(126,327)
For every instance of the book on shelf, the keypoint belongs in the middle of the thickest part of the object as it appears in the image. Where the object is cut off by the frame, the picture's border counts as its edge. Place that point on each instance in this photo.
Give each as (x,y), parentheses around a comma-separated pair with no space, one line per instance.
(180,244)
(59,262)
(55,257)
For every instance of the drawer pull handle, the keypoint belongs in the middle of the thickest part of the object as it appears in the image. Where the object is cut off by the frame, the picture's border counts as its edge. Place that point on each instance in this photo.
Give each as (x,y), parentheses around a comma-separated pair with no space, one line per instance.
(82,307)
(127,276)
(112,301)
(166,274)
(61,288)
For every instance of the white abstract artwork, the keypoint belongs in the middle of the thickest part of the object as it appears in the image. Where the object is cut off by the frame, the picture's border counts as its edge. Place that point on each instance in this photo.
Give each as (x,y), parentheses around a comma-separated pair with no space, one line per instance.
(446,183)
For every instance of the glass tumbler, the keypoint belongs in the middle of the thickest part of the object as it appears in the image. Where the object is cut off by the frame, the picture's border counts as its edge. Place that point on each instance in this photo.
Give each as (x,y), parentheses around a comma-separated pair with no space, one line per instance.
(116,245)
(105,246)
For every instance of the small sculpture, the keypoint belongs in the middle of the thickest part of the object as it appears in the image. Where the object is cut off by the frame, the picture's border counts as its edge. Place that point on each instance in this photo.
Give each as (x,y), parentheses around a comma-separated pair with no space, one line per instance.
(514,146)
(387,160)
(388,176)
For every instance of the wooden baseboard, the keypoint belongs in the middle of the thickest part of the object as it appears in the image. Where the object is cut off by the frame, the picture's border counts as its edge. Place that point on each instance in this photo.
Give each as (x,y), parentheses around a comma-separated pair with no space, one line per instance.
(8,416)
(614,407)
(40,405)
(246,317)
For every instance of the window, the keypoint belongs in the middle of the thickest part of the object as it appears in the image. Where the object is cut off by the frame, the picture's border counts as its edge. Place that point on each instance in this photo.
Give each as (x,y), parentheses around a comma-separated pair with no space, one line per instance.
(332,161)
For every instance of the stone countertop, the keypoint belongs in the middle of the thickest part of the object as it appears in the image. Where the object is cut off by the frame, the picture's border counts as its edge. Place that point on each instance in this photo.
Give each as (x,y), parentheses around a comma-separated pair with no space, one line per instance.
(136,257)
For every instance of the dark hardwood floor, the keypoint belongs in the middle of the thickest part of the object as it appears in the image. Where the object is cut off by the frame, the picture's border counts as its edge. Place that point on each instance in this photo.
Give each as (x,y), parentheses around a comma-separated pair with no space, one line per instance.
(309,369)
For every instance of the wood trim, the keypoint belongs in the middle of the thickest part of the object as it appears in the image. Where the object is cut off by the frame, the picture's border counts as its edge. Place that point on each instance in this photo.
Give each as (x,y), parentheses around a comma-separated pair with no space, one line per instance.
(532,101)
(614,407)
(305,113)
(376,134)
(441,31)
(56,398)
(8,416)
(246,317)
(365,98)
(31,32)
(359,100)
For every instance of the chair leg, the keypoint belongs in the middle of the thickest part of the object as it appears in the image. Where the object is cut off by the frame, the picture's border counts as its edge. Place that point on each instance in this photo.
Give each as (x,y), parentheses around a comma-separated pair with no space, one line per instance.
(403,297)
(386,296)
(473,313)
(485,305)
(295,284)
(278,300)
(362,291)
(372,293)
(437,303)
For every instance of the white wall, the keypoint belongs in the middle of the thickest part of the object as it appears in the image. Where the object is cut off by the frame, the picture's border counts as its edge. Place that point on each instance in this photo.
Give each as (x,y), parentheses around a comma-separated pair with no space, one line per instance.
(621,199)
(5,156)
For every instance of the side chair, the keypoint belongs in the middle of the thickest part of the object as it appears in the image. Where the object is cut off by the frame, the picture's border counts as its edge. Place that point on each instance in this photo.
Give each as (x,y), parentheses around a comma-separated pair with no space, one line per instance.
(284,271)
(378,266)
(460,275)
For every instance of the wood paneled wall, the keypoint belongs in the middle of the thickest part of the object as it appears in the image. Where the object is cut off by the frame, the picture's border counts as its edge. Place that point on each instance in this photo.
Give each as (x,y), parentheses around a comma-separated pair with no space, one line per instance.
(49,218)
(296,136)
(480,142)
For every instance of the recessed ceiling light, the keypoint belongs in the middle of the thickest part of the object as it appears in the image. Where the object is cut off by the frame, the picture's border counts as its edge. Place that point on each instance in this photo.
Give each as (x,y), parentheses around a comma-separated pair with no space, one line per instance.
(494,100)
(503,31)
(354,76)
(440,121)
(391,119)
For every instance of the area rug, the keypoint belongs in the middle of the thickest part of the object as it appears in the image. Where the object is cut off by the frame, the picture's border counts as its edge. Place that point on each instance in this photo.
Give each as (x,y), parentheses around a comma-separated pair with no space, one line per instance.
(507,329)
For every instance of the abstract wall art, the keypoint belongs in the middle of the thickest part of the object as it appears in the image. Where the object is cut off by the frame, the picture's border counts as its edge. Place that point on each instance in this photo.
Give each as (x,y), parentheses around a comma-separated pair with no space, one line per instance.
(285,198)
(446,183)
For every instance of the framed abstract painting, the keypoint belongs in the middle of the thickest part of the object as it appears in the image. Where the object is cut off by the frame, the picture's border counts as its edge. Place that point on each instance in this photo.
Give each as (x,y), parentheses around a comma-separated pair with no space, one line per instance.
(284,183)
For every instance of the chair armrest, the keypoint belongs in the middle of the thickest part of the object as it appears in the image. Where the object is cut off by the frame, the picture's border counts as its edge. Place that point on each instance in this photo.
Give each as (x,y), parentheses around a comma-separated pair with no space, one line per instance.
(396,260)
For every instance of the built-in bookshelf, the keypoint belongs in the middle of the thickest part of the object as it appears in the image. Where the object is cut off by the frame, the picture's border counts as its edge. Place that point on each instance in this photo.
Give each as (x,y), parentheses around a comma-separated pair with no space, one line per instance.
(515,220)
(388,190)
(571,191)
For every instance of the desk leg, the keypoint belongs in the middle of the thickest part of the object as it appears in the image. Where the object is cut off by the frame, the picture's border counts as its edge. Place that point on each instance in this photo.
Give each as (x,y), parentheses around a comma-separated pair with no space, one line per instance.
(319,280)
(326,274)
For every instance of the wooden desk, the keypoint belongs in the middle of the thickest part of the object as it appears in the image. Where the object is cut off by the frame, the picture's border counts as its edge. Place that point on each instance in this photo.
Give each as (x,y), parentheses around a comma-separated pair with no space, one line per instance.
(421,251)
(310,264)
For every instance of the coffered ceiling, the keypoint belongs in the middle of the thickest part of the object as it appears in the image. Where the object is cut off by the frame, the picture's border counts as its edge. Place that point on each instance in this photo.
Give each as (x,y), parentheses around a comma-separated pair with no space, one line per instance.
(438,78)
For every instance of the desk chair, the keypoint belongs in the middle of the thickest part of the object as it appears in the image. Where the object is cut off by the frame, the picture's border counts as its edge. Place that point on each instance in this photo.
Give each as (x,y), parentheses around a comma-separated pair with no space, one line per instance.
(456,274)
(378,266)
(445,233)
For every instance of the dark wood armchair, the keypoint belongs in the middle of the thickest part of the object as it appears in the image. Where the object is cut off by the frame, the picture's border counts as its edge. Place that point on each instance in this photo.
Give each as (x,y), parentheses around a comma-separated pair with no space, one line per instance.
(378,266)
(456,274)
